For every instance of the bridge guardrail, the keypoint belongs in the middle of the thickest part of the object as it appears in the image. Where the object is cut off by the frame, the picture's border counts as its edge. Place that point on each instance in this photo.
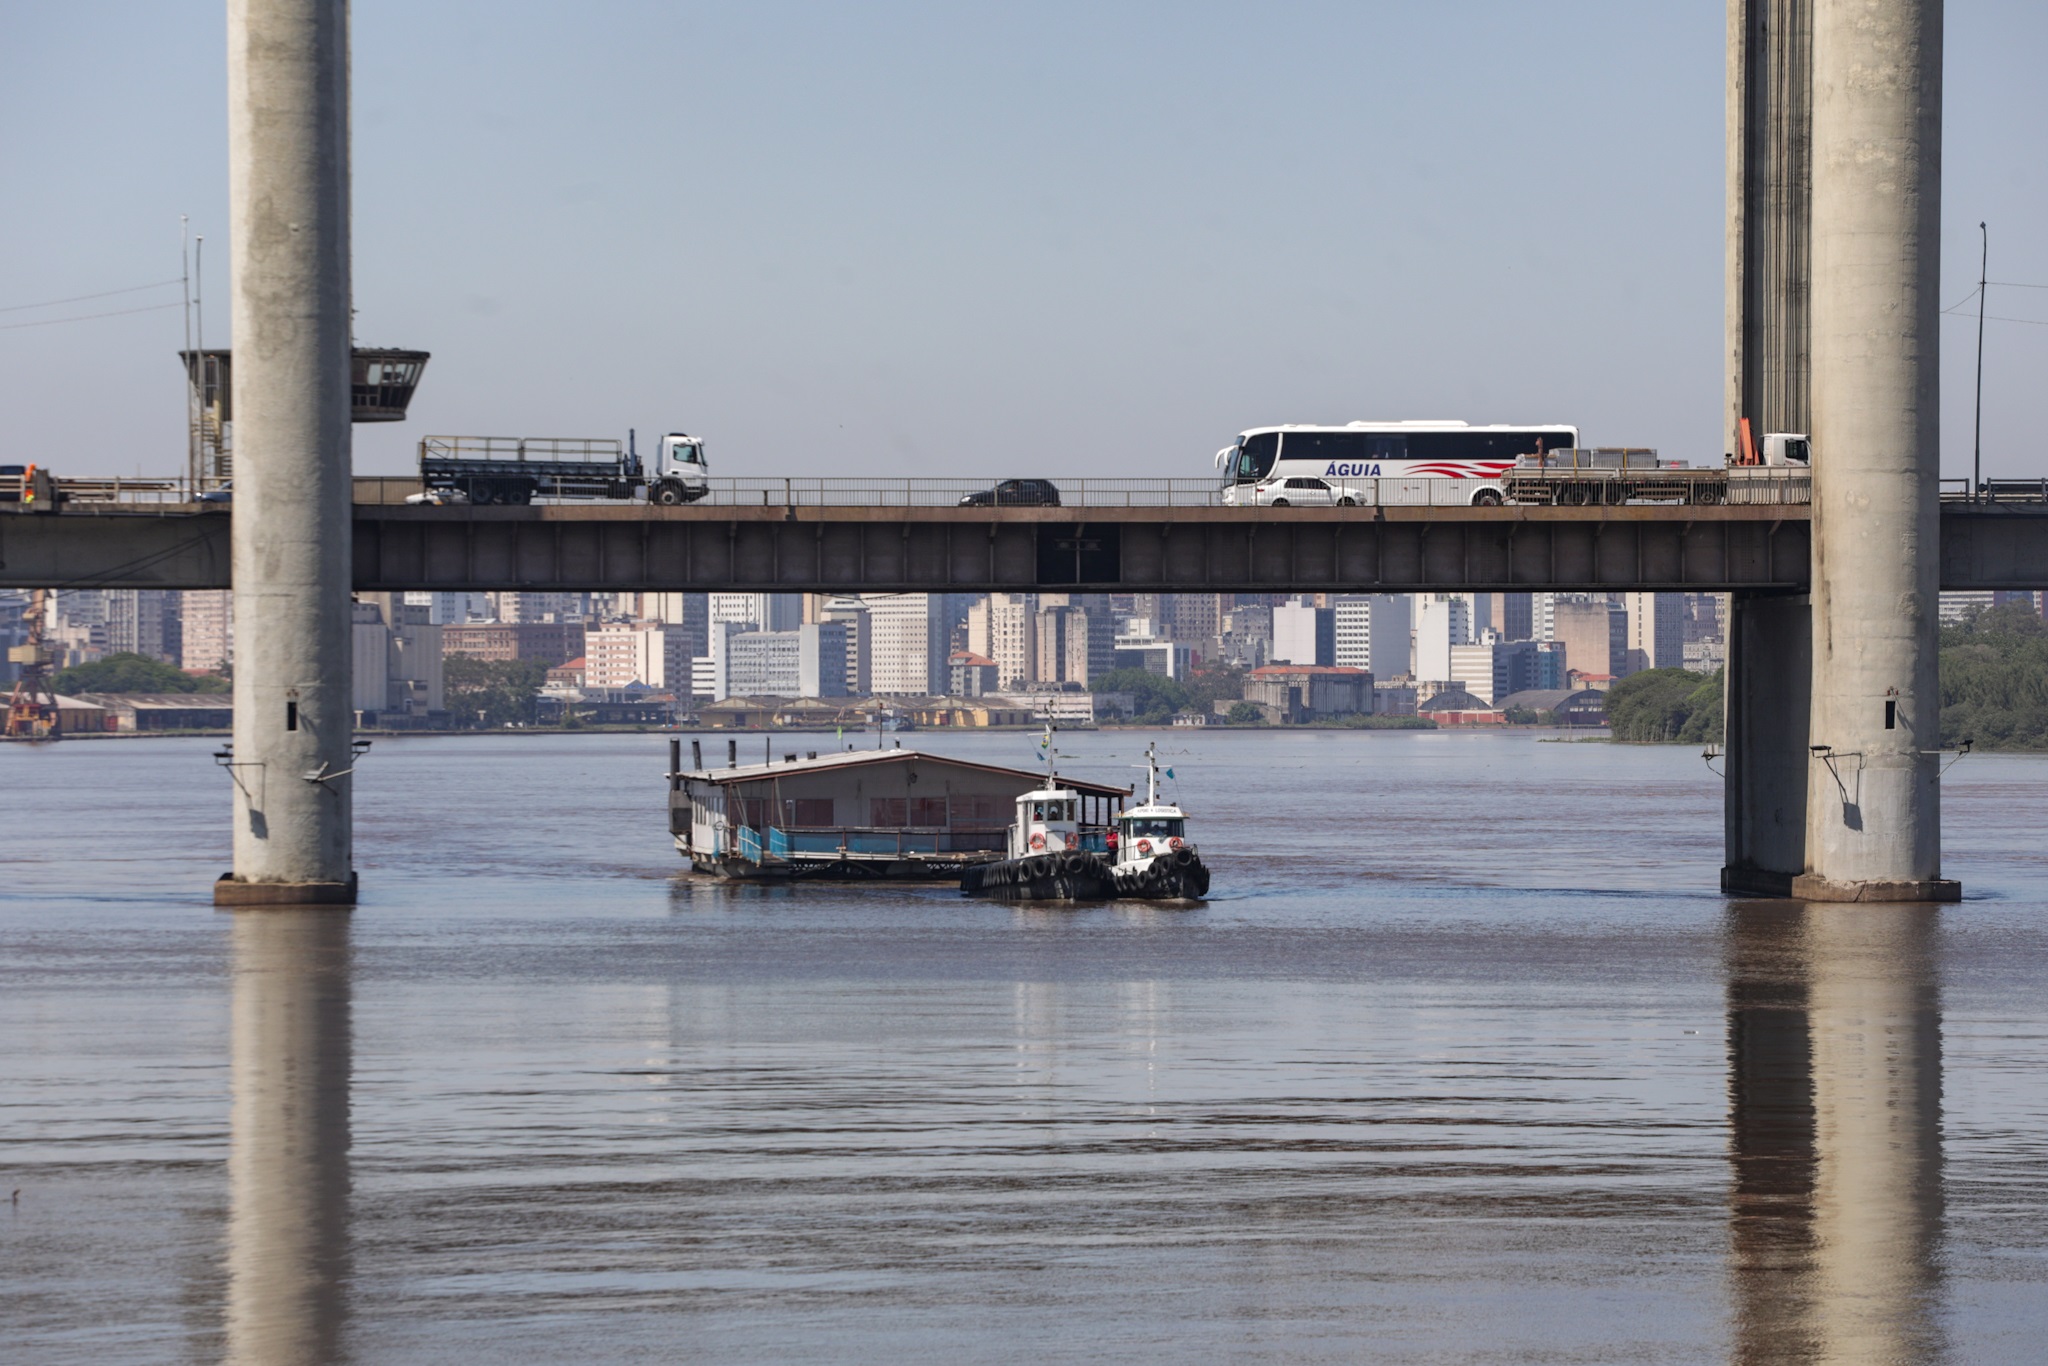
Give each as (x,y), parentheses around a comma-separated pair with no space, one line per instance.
(1692,488)
(2024,491)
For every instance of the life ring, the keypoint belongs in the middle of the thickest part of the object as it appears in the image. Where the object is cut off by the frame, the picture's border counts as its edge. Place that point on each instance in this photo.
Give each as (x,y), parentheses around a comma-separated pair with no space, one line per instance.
(1144,846)
(1174,843)
(1038,840)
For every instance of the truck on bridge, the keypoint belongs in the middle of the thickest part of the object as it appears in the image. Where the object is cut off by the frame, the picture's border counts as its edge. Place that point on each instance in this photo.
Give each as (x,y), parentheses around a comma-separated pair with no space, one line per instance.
(1612,476)
(508,469)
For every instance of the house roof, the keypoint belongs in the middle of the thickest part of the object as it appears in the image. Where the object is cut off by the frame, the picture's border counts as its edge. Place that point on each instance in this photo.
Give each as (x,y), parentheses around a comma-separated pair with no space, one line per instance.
(176,701)
(1453,699)
(1550,699)
(970,658)
(863,758)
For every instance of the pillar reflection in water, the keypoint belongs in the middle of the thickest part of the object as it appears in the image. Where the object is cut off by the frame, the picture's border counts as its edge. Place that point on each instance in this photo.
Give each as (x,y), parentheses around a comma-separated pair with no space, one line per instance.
(288,1165)
(1834,1042)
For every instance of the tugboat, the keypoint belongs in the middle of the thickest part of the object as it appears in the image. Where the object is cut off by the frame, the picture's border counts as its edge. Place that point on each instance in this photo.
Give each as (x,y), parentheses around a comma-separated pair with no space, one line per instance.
(1048,858)
(1152,856)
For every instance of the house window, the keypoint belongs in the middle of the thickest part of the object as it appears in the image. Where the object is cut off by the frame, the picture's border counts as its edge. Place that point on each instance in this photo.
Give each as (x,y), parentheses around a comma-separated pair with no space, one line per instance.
(885,811)
(928,811)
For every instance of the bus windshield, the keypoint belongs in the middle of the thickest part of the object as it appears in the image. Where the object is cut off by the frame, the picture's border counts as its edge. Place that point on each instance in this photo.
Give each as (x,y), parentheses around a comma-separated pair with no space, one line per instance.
(1255,455)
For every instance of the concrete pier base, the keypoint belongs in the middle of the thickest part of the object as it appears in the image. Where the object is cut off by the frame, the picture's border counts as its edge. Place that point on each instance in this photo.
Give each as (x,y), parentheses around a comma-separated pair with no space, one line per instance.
(233,891)
(1814,887)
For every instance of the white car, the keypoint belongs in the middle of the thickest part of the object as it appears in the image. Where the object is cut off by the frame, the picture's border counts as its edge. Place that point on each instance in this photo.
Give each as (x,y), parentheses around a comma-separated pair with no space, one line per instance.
(438,497)
(1294,491)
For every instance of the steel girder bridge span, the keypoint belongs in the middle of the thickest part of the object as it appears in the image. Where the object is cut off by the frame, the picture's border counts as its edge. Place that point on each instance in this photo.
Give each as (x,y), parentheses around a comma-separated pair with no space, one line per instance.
(582,547)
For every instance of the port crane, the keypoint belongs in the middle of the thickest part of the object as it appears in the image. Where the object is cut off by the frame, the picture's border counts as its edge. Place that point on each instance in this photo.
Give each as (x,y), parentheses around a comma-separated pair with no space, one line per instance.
(32,709)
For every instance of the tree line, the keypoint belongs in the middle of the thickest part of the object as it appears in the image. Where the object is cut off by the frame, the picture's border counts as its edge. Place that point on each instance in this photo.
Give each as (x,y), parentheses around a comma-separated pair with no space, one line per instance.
(1994,689)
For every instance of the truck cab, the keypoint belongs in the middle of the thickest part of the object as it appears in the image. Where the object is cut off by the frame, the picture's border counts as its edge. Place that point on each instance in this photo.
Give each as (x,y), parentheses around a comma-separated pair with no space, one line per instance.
(681,473)
(1787,449)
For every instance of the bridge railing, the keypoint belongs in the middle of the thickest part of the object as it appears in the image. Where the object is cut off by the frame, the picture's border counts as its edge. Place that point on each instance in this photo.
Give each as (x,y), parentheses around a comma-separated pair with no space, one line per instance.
(862,492)
(2031,491)
(1685,487)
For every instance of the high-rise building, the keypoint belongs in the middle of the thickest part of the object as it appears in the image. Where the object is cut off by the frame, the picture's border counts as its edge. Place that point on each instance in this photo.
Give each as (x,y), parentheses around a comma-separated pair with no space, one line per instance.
(448,609)
(552,642)
(1595,637)
(1508,615)
(1004,627)
(853,614)
(650,653)
(1374,632)
(809,661)
(763,611)
(143,621)
(207,630)
(1196,619)
(907,638)
(1656,631)
(1441,621)
(519,608)
(1075,642)
(1498,668)
(688,612)
(1304,634)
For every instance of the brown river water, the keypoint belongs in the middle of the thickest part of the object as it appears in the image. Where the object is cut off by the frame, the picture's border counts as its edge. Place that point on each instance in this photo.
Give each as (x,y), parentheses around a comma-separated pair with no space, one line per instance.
(1464,1060)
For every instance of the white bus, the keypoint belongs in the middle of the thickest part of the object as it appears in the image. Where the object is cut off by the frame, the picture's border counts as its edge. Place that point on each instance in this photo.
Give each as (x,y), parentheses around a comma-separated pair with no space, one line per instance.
(1363,463)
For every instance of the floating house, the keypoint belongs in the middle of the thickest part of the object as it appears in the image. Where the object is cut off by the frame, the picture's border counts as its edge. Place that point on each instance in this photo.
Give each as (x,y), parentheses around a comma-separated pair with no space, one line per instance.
(855,815)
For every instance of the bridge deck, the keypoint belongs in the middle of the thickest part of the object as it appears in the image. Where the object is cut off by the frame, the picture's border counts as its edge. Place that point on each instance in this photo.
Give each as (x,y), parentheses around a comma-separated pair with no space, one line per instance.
(599,547)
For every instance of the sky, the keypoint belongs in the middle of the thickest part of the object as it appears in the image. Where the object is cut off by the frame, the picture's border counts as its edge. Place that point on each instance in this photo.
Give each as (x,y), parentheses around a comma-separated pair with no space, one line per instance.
(974,240)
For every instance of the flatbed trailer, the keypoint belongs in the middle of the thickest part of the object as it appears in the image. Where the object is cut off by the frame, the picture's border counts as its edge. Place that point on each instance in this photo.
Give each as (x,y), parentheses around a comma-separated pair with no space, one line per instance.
(518,469)
(1615,478)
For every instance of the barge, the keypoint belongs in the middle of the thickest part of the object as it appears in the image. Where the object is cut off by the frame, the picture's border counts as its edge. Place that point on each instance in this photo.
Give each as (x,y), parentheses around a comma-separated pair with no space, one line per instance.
(857,815)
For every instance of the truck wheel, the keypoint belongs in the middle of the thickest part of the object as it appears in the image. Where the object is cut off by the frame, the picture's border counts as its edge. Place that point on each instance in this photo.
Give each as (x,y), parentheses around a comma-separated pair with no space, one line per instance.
(1486,498)
(668,495)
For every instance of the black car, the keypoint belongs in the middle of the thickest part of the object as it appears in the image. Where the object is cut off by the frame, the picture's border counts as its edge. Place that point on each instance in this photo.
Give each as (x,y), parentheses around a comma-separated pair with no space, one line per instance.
(1042,493)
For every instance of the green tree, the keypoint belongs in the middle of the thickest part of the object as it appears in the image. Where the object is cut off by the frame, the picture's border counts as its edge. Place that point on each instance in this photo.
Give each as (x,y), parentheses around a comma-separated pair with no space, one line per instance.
(1994,680)
(1666,704)
(1207,687)
(491,693)
(1154,697)
(1244,714)
(133,673)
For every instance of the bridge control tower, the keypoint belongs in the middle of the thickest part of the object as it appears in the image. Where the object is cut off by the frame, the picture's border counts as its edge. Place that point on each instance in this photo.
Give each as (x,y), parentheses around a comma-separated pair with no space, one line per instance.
(381,385)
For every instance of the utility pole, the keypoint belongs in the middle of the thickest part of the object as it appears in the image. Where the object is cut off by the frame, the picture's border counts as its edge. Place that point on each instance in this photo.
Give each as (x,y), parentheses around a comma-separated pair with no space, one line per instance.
(1977,439)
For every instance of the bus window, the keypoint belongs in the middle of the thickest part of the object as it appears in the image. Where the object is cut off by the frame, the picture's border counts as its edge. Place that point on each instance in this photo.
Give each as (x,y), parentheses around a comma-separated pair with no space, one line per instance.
(1325,446)
(1389,447)
(1256,455)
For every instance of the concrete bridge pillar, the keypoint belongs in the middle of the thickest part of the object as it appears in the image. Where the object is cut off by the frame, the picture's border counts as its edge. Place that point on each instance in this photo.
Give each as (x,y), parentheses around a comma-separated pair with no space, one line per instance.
(1873,800)
(288,174)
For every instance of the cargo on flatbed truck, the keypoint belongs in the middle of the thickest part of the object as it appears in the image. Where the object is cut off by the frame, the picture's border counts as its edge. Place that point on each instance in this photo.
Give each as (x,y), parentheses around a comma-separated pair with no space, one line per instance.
(512,469)
(1612,476)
